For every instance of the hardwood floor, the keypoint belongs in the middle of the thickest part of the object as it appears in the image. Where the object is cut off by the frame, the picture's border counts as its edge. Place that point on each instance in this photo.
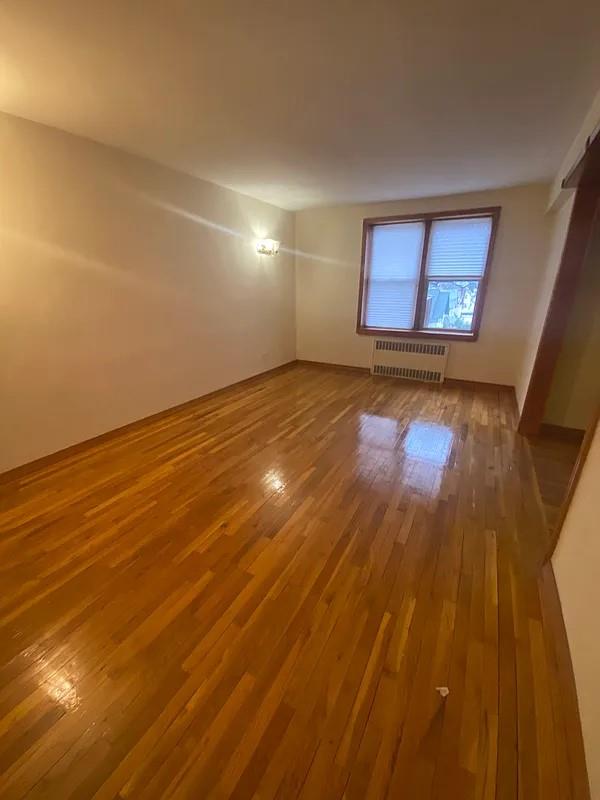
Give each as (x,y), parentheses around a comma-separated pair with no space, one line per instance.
(256,596)
(553,461)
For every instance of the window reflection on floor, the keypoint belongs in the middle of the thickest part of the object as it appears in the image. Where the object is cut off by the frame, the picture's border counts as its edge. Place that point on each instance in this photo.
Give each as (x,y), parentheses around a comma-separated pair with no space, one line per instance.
(428,441)
(415,455)
(377,452)
(378,432)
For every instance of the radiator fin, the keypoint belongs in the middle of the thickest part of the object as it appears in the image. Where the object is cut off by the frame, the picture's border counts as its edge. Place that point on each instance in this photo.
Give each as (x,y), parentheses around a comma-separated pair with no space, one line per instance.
(411,347)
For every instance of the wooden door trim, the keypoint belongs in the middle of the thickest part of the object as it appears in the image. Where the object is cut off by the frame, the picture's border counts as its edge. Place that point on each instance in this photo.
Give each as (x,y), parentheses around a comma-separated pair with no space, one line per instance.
(573,481)
(576,244)
(585,177)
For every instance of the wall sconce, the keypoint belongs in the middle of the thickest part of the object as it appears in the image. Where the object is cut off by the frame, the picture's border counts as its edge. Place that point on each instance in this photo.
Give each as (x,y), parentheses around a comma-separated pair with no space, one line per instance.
(267,247)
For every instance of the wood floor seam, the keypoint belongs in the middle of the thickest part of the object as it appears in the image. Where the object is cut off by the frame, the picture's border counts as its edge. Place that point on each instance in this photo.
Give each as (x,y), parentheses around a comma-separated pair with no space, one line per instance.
(316,584)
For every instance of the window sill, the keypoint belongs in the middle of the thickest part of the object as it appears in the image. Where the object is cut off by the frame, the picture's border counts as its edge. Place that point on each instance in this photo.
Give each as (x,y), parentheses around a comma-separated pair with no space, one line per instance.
(456,336)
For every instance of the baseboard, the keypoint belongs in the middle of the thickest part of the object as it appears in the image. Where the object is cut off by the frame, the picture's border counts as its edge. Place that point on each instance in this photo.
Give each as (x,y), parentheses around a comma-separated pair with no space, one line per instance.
(479,385)
(561,432)
(329,365)
(454,382)
(16,473)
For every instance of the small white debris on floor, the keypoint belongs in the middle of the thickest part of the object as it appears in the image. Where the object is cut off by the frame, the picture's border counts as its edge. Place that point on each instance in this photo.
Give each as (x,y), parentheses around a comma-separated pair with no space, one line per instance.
(443,690)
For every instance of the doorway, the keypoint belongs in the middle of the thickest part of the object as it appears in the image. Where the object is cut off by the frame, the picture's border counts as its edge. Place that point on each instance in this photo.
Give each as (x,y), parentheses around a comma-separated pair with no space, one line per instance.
(560,411)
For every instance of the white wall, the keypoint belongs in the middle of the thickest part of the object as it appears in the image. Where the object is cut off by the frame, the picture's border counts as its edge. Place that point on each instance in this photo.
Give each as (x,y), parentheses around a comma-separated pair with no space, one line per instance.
(125,288)
(575,390)
(328,269)
(576,564)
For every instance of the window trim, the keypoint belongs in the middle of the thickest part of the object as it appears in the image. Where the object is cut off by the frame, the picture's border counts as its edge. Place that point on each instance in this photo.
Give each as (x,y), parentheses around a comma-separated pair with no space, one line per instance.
(417,331)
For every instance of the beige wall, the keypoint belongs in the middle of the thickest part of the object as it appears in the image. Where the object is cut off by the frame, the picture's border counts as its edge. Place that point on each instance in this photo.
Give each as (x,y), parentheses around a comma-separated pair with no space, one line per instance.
(328,268)
(558,221)
(575,390)
(125,288)
(576,565)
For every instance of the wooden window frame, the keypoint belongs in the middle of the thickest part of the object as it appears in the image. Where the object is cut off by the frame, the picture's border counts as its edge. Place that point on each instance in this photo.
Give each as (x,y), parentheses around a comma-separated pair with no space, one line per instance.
(417,331)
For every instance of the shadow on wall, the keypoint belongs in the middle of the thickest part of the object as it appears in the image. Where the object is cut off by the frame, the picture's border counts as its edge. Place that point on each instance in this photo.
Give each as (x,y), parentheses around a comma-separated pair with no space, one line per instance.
(575,390)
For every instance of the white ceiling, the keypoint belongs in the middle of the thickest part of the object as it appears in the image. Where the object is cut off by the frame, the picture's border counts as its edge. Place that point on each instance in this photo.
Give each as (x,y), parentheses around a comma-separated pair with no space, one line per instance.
(317,101)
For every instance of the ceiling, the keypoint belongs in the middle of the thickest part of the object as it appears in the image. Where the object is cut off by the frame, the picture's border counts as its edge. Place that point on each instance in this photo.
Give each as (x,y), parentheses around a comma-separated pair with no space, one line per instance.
(317,101)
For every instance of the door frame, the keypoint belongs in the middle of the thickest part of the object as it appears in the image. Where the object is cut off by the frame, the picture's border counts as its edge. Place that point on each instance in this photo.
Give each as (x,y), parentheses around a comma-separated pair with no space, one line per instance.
(581,224)
(585,179)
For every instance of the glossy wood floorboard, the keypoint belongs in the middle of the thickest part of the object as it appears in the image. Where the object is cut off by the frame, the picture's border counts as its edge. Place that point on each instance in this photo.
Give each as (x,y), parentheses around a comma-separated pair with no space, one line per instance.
(256,596)
(553,461)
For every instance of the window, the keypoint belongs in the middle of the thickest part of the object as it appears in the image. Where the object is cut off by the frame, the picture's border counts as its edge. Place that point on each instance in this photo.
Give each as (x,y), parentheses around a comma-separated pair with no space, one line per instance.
(426,275)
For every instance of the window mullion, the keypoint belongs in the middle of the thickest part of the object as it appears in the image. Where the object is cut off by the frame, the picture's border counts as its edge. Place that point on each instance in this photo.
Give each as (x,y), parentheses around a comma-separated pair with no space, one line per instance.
(421,290)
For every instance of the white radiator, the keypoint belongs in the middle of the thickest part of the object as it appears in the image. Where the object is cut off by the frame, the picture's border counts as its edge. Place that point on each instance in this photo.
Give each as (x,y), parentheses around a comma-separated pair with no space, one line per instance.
(407,358)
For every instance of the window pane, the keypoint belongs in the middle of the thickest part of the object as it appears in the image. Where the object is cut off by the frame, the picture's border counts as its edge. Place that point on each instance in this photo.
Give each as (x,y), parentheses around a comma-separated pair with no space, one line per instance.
(391,304)
(450,305)
(459,247)
(393,275)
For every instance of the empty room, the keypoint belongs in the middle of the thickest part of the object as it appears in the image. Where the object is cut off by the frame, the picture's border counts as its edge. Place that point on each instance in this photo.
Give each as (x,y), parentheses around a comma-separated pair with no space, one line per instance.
(299,399)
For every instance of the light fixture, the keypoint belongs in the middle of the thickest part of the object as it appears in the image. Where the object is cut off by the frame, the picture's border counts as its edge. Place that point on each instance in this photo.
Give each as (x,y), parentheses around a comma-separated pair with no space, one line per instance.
(267,247)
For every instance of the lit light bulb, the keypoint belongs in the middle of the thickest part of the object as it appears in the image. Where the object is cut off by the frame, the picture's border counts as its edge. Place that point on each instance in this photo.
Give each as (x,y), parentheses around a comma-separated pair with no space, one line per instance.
(267,247)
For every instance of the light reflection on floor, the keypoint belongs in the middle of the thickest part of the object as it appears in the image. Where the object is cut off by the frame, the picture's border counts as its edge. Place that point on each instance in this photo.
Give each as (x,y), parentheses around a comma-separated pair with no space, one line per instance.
(419,452)
(377,432)
(58,686)
(273,481)
(428,441)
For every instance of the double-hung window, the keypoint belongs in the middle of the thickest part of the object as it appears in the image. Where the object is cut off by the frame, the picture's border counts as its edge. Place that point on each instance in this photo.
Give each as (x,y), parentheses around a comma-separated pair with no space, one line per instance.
(426,274)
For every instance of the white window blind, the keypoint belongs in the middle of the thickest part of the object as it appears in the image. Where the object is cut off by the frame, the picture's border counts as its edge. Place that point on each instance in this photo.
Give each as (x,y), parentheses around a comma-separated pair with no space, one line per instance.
(393,275)
(458,247)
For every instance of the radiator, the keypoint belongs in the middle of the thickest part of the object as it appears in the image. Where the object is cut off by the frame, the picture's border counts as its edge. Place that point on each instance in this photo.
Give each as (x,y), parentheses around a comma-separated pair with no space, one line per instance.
(406,358)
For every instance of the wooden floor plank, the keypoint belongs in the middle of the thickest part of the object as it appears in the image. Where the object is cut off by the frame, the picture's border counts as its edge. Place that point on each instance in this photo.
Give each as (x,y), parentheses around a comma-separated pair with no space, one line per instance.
(260,595)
